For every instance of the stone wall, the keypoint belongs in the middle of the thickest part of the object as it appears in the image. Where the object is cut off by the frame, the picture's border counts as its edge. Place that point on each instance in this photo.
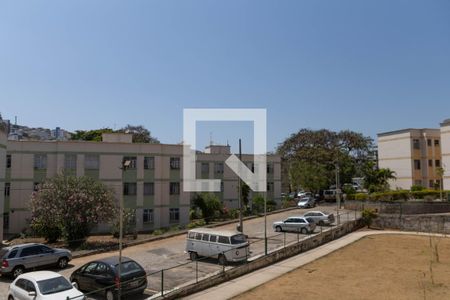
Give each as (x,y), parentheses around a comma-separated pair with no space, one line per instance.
(400,208)
(438,223)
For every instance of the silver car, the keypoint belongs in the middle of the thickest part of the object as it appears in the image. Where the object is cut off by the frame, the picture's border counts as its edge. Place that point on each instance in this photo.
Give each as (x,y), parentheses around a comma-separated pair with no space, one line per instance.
(306,202)
(19,258)
(320,218)
(295,224)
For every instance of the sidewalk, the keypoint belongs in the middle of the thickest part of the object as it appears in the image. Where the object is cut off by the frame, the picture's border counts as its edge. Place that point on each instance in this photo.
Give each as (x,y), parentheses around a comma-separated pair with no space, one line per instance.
(247,282)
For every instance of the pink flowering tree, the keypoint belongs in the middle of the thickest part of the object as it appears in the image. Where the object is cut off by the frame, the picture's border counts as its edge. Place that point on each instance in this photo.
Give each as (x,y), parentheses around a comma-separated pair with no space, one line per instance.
(69,207)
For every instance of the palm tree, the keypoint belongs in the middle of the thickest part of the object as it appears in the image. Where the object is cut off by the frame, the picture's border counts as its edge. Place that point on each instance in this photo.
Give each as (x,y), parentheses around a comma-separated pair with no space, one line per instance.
(440,173)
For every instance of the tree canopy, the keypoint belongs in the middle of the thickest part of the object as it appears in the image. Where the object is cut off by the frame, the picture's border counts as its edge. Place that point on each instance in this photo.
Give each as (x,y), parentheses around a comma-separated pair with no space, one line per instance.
(139,132)
(312,156)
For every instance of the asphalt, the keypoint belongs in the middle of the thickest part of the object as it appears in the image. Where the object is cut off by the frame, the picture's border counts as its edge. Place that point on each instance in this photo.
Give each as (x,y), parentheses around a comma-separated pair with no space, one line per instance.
(247,282)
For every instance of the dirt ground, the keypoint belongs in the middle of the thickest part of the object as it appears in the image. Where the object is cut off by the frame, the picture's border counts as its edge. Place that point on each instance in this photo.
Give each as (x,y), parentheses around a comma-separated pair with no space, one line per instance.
(376,267)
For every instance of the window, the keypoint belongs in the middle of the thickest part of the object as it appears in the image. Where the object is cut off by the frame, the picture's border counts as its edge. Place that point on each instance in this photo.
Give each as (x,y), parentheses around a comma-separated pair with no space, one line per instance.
(91,162)
(416,144)
(13,253)
(90,267)
(437,163)
(70,161)
(436,143)
(174,214)
(269,168)
(132,160)
(174,163)
(222,187)
(269,186)
(40,161)
(36,186)
(6,223)
(205,237)
(205,168)
(174,188)
(238,239)
(7,189)
(431,184)
(416,164)
(198,236)
(149,163)
(149,189)
(25,285)
(147,217)
(129,189)
(8,161)
(33,250)
(213,238)
(218,168)
(191,235)
(429,142)
(430,162)
(224,239)
(418,182)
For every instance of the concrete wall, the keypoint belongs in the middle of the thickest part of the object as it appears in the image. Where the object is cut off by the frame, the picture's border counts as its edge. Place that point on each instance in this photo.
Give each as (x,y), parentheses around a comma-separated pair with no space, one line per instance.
(422,223)
(404,208)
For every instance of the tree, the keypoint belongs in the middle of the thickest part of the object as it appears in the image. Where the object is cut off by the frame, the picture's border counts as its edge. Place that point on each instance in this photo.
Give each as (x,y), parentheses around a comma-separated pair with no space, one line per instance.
(209,204)
(376,179)
(71,206)
(140,134)
(245,191)
(90,135)
(314,154)
(440,171)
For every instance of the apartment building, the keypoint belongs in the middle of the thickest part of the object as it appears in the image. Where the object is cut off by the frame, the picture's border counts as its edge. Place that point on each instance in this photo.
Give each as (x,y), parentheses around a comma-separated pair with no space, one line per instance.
(445,139)
(3,141)
(413,154)
(151,185)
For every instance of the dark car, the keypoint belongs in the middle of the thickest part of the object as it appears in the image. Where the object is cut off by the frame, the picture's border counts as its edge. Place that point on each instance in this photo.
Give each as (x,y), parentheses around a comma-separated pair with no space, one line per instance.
(102,276)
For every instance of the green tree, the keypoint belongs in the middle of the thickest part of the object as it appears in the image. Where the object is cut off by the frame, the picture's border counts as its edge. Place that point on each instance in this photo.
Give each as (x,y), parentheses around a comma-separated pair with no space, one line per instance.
(307,175)
(376,179)
(71,206)
(245,192)
(209,205)
(90,135)
(140,134)
(440,171)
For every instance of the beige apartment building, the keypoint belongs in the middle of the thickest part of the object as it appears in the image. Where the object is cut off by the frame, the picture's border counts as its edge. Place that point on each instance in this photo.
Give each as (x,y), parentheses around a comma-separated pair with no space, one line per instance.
(151,185)
(445,139)
(413,154)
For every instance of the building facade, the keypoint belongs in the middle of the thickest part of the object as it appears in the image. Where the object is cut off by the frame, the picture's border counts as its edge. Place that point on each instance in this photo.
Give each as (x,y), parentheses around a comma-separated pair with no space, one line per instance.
(151,184)
(3,141)
(445,139)
(413,154)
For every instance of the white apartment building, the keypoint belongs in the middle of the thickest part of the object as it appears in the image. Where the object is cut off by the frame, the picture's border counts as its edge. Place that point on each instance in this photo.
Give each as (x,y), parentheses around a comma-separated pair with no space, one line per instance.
(152,185)
(445,138)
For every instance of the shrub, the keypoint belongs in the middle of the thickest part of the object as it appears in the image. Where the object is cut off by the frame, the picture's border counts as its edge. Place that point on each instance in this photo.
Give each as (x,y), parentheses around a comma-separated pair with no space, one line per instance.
(271,205)
(129,223)
(258,204)
(416,188)
(361,196)
(368,215)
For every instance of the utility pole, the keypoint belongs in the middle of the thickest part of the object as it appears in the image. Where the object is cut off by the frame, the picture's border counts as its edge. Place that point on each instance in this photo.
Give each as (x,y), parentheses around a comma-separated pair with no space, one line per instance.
(124,167)
(338,190)
(241,226)
(265,223)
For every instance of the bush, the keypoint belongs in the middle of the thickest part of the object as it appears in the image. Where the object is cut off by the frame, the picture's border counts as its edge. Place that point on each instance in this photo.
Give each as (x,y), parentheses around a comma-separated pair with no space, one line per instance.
(129,223)
(271,205)
(368,215)
(416,188)
(196,223)
(258,204)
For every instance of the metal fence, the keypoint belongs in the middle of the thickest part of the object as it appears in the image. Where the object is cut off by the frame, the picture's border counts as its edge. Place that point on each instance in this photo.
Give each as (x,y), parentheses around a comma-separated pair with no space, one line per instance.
(163,281)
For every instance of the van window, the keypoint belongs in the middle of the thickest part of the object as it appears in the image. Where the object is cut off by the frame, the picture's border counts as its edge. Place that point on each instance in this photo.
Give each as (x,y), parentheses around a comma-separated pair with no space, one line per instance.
(206,237)
(213,238)
(238,239)
(224,239)
(198,236)
(191,235)
(13,253)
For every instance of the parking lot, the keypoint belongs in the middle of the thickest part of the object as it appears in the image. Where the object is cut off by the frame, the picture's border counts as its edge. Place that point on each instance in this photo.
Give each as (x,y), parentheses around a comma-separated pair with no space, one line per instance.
(168,254)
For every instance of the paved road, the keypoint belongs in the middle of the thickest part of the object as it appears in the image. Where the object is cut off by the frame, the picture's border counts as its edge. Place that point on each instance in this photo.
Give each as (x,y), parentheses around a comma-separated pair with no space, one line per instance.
(168,254)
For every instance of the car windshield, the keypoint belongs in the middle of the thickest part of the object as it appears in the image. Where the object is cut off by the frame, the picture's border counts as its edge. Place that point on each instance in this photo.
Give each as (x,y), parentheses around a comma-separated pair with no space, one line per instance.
(129,267)
(238,239)
(54,285)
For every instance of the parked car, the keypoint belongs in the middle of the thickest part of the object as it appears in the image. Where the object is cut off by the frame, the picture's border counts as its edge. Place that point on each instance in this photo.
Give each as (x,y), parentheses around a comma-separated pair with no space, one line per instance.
(329,195)
(20,258)
(302,195)
(296,224)
(43,285)
(292,195)
(307,202)
(103,276)
(320,217)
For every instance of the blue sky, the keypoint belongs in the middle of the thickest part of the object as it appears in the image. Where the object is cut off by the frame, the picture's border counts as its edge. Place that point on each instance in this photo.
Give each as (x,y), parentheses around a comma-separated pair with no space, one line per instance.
(368,66)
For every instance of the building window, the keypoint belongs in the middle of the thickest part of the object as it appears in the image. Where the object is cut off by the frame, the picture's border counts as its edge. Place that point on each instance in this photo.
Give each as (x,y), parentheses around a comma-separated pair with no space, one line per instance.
(436,143)
(416,164)
(269,186)
(437,163)
(205,168)
(174,188)
(175,163)
(129,189)
(174,214)
(149,163)
(430,163)
(218,168)
(132,160)
(7,188)
(92,162)
(6,221)
(70,161)
(269,168)
(416,144)
(40,161)
(149,189)
(147,217)
(222,188)
(418,182)
(36,186)
(429,142)
(8,161)
(431,183)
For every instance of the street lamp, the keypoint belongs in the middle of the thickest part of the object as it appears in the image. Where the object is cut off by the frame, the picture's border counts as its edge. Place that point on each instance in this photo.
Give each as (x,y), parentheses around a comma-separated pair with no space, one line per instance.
(125,165)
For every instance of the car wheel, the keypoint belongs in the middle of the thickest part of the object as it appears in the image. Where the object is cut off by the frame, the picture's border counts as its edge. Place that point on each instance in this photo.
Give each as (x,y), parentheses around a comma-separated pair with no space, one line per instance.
(109,295)
(222,260)
(10,298)
(304,230)
(278,229)
(62,262)
(17,271)
(193,255)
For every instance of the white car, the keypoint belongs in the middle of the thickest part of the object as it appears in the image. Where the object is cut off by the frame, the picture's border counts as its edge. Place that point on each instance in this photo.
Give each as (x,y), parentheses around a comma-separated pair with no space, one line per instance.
(43,285)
